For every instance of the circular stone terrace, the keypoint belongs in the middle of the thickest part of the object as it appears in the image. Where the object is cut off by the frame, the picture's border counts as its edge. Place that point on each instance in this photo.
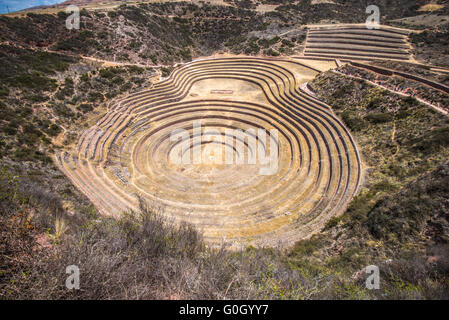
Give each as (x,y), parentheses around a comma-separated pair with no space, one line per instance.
(193,145)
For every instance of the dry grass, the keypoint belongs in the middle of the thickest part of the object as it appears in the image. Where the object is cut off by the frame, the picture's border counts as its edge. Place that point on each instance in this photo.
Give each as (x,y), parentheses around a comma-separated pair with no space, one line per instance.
(139,256)
(430,7)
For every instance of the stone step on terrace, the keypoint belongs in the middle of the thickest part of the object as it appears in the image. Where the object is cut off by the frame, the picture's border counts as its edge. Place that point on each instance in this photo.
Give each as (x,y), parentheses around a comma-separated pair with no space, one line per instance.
(357,43)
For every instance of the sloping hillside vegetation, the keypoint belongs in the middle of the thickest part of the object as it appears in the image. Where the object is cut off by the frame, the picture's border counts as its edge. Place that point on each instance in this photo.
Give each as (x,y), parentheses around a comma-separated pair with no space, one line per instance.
(431,46)
(164,33)
(44,94)
(401,213)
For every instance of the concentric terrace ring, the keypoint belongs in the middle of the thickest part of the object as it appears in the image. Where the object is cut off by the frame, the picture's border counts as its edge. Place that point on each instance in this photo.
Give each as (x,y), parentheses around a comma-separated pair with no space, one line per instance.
(219,106)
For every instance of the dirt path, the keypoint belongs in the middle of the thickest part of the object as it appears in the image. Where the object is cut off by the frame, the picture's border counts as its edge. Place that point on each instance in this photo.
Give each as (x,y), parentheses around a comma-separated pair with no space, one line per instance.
(393,133)
(393,138)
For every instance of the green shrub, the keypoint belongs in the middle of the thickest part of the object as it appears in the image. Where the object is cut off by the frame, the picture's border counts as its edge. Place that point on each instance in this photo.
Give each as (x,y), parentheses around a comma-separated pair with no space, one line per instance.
(377,118)
(307,247)
(85,107)
(53,130)
(332,222)
(34,81)
(432,141)
(352,120)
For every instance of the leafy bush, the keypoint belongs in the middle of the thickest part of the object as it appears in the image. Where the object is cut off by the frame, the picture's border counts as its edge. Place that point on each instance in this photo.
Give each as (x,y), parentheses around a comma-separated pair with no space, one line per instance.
(34,81)
(85,107)
(377,118)
(406,213)
(432,141)
(352,120)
